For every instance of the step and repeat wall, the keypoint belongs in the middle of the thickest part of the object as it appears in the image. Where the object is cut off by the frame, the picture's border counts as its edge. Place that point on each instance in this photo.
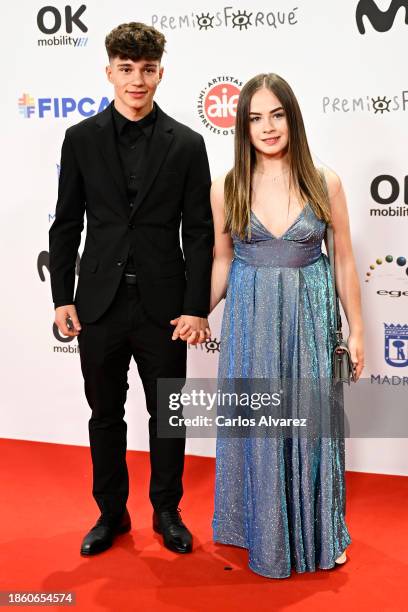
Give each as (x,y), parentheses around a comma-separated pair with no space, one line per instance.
(345,60)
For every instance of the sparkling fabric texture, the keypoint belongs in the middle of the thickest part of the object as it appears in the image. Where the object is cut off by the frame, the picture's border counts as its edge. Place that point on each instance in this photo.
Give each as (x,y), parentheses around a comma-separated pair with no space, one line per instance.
(282,499)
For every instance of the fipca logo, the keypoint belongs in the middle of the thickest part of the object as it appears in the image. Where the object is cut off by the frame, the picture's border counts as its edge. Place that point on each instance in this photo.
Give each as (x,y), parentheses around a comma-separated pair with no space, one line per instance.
(382,21)
(58,26)
(217,104)
(26,105)
(386,191)
(58,108)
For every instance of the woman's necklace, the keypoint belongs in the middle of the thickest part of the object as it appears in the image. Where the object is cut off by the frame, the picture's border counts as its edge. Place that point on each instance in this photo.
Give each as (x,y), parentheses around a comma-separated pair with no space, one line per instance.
(273,178)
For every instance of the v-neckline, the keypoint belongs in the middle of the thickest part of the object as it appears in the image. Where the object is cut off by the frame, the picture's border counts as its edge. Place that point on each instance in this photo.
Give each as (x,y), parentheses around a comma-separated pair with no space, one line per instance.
(286,231)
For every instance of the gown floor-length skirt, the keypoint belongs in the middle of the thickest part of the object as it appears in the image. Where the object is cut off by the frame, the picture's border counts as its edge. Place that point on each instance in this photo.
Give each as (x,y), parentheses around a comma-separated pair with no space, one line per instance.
(282,497)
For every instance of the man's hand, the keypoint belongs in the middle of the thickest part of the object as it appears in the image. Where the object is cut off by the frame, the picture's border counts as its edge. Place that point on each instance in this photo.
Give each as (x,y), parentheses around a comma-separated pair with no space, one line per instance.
(64,315)
(195,330)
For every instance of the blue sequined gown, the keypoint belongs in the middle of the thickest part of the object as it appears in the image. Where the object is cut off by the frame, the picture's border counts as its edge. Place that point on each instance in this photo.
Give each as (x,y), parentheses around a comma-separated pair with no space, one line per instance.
(283,500)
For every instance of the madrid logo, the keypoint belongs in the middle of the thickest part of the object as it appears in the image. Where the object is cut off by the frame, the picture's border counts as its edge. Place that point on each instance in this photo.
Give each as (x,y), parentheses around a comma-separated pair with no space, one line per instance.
(217,104)
(396,345)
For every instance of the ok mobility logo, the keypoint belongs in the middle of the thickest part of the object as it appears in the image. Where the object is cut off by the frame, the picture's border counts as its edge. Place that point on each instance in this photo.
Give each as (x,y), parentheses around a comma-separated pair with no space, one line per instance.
(382,21)
(59,107)
(57,26)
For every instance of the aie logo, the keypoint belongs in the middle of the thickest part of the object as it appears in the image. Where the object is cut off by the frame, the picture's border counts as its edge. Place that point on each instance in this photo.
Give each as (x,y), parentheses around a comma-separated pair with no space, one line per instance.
(50,21)
(382,21)
(60,107)
(217,104)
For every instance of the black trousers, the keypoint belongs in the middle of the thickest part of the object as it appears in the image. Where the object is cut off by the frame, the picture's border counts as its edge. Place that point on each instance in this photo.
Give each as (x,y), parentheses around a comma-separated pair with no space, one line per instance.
(106,349)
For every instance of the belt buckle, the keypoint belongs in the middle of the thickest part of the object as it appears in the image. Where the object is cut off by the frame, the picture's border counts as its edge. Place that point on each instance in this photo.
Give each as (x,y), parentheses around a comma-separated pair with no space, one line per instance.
(131,279)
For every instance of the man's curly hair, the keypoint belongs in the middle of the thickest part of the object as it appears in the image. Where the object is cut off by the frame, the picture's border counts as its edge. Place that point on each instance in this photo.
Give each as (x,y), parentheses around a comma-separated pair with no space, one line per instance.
(135,41)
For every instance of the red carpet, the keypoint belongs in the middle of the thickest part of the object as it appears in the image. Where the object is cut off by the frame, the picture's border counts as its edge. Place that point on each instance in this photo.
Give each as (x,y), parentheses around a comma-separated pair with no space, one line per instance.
(46,508)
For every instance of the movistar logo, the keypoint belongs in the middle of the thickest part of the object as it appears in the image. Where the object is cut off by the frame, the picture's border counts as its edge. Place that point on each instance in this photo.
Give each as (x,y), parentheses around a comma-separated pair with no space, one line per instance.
(382,21)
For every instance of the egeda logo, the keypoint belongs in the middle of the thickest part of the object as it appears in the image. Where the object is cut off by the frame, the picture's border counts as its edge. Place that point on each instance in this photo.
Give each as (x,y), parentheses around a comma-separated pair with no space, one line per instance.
(396,345)
(389,267)
(60,107)
(50,21)
(382,21)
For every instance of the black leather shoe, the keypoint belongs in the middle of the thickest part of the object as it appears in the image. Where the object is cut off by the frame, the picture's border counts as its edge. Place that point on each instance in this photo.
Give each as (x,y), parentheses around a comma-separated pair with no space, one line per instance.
(103,533)
(176,536)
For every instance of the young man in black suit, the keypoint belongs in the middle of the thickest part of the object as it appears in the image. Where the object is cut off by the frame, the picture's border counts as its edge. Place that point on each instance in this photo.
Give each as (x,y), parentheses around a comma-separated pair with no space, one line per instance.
(137,174)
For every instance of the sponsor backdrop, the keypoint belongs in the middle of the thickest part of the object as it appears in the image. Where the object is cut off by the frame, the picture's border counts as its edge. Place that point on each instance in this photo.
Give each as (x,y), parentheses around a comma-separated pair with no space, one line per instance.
(345,61)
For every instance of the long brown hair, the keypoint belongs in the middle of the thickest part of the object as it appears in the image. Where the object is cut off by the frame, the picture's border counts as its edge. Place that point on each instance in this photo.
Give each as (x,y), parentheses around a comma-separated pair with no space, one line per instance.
(303,174)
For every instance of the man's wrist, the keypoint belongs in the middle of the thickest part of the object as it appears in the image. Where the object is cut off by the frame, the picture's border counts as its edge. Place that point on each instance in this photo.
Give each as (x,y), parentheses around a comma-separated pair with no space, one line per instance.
(195,313)
(59,303)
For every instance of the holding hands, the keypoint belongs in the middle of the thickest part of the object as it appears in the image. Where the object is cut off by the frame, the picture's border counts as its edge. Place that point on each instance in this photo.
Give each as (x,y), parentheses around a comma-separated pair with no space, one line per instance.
(194,330)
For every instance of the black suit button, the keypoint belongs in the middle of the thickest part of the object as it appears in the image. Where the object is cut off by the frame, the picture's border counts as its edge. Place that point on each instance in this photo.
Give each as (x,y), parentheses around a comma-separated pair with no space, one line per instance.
(131,226)
(131,204)
(119,263)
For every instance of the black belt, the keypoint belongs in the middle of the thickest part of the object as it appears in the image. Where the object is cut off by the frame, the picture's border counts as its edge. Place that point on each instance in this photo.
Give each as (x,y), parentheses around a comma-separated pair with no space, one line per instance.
(130,279)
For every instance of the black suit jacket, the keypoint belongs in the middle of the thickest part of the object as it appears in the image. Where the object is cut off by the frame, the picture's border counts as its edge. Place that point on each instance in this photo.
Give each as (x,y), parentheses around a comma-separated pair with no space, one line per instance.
(172,281)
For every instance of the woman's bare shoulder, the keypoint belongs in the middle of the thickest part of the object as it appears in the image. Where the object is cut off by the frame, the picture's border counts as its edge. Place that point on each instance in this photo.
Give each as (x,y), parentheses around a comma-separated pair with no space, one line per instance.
(333,181)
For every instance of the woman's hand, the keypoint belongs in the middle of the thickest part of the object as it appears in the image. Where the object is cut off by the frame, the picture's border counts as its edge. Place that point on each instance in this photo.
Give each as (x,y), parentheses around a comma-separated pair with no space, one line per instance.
(356,345)
(194,330)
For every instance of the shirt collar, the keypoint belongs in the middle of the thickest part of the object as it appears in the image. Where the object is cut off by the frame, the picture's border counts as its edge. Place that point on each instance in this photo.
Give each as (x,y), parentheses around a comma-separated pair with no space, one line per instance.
(144,124)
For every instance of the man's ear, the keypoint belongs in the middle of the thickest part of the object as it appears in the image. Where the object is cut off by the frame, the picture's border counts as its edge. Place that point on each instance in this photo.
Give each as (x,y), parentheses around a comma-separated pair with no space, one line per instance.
(161,70)
(108,71)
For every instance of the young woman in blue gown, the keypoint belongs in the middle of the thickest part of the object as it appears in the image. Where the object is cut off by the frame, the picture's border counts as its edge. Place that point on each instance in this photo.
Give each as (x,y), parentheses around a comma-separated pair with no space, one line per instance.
(282,498)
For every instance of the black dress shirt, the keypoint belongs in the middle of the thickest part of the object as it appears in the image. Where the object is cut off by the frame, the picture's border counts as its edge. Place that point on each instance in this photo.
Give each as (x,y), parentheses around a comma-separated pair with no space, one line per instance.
(133,139)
